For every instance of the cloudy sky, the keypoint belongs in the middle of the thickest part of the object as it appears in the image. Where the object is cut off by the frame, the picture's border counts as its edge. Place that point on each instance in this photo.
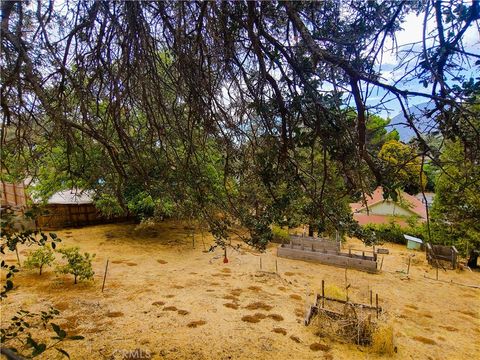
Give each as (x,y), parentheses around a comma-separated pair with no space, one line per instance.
(408,37)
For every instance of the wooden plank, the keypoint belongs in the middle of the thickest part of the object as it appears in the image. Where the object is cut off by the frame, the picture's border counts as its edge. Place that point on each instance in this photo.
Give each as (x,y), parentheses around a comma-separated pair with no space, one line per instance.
(330,259)
(359,305)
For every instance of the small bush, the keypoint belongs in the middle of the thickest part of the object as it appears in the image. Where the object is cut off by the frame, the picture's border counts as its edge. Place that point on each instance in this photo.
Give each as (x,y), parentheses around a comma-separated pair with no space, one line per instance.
(335,292)
(392,233)
(280,235)
(80,266)
(382,340)
(39,258)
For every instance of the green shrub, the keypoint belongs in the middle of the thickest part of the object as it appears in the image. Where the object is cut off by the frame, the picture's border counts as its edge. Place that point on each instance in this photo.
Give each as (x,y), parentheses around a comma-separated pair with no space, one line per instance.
(280,235)
(80,266)
(39,258)
(387,233)
(394,233)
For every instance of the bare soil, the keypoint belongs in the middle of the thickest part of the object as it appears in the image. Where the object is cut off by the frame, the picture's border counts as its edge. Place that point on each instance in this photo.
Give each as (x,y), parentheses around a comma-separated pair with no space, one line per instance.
(173,301)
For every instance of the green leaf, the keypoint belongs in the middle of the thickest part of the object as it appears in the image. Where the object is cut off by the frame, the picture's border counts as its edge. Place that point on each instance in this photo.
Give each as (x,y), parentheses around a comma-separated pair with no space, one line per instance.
(61,333)
(32,343)
(63,352)
(9,285)
(76,337)
(39,349)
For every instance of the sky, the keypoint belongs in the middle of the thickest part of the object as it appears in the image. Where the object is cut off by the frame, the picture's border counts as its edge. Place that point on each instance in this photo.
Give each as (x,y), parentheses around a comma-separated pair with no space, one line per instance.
(411,33)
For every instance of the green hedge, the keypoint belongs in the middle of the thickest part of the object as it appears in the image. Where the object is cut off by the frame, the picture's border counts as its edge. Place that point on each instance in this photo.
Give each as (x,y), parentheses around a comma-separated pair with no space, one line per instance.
(394,233)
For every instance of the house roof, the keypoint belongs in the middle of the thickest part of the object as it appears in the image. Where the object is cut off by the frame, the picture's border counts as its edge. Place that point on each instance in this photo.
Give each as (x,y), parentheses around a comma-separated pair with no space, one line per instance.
(416,205)
(413,238)
(71,197)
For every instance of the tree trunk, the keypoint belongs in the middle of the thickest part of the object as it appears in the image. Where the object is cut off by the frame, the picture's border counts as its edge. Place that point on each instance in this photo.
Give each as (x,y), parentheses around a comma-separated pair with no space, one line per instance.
(310,230)
(75,279)
(472,261)
(41,266)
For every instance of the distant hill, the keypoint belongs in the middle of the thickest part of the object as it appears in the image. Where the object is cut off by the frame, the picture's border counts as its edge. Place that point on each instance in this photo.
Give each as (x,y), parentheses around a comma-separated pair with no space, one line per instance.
(424,123)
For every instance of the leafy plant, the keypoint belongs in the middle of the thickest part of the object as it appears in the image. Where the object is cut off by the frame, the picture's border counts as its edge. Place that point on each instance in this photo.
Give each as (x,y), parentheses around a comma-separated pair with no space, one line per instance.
(80,266)
(11,237)
(280,235)
(39,258)
(18,332)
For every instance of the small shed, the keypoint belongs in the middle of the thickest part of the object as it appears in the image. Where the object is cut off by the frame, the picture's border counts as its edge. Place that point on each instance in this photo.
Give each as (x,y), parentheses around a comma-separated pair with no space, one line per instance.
(413,243)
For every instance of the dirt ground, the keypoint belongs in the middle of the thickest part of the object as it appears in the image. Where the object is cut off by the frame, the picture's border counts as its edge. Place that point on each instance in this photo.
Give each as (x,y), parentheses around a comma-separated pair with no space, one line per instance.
(168,300)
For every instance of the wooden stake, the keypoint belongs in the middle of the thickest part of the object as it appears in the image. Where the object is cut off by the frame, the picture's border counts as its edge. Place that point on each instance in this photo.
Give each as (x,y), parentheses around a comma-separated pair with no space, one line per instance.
(105,276)
(323,294)
(371,297)
(203,241)
(376,303)
(381,263)
(276,266)
(18,257)
(408,268)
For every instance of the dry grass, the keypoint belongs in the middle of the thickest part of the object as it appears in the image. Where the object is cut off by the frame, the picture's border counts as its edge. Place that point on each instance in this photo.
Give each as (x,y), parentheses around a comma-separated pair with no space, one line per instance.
(319,347)
(449,328)
(115,314)
(225,334)
(383,341)
(158,303)
(163,262)
(334,291)
(255,288)
(230,297)
(259,305)
(299,312)
(183,312)
(295,297)
(231,305)
(170,308)
(295,338)
(194,324)
(288,273)
(250,319)
(469,313)
(131,264)
(275,317)
(280,331)
(169,296)
(236,292)
(63,305)
(424,340)
(260,316)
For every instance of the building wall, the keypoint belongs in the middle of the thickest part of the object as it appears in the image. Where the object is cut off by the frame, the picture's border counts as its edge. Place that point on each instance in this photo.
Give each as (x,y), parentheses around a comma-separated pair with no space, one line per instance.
(13,194)
(387,208)
(59,216)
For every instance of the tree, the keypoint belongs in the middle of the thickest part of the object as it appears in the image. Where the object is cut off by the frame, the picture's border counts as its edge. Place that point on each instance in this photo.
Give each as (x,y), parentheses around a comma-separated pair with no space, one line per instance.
(80,266)
(456,206)
(377,134)
(402,166)
(167,103)
(39,258)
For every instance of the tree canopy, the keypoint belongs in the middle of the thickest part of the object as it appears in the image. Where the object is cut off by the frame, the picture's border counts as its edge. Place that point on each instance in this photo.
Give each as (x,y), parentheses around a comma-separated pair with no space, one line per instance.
(228,111)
